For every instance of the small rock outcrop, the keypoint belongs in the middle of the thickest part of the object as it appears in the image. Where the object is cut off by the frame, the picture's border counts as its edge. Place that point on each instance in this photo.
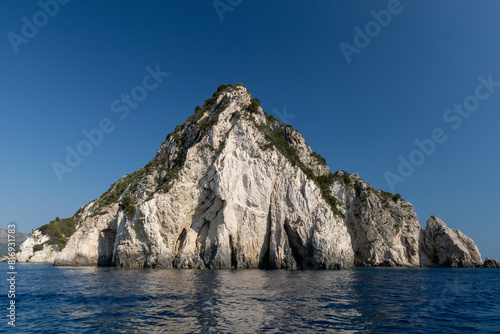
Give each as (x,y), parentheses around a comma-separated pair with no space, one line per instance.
(35,250)
(444,247)
(491,263)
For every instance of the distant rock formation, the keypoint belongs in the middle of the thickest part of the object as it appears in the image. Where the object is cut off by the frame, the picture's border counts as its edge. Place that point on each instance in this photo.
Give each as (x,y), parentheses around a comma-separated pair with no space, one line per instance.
(19,238)
(491,263)
(35,250)
(233,187)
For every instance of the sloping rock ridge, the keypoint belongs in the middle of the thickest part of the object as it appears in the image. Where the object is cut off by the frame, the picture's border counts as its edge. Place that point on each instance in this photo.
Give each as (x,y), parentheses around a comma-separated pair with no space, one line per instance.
(233,187)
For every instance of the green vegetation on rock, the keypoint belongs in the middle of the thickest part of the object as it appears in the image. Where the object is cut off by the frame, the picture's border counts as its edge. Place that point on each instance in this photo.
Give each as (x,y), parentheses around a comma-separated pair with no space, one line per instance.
(98,213)
(254,105)
(128,205)
(319,158)
(128,183)
(276,135)
(59,231)
(223,87)
(325,182)
(222,145)
(387,195)
(346,178)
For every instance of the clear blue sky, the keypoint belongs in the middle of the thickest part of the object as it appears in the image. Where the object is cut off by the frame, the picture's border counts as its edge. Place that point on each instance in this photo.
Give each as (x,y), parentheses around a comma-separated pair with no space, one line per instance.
(361,116)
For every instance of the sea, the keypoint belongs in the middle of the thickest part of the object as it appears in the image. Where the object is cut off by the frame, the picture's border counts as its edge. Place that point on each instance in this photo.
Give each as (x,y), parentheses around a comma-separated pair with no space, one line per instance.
(364,300)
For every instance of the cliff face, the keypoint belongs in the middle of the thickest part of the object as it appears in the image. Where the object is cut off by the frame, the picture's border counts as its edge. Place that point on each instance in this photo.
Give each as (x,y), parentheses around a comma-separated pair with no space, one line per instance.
(227,189)
(233,187)
(384,228)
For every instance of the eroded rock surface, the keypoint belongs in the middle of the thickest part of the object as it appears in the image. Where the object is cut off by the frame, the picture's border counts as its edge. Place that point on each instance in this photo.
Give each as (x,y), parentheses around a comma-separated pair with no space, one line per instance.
(384,228)
(237,201)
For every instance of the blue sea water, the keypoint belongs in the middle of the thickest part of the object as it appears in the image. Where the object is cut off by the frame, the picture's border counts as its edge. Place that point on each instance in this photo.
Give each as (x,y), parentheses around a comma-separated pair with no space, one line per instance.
(365,300)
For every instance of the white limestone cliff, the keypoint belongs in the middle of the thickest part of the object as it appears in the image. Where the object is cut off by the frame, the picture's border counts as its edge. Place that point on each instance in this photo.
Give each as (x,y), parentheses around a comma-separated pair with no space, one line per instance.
(29,253)
(234,188)
(235,203)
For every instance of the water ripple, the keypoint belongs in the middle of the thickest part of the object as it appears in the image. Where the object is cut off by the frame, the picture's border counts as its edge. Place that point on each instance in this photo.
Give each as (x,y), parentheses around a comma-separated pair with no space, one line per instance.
(365,300)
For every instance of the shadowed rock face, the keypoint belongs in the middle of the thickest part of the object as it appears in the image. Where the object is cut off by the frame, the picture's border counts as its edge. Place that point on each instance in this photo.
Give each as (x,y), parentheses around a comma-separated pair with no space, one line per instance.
(491,263)
(384,229)
(444,247)
(234,188)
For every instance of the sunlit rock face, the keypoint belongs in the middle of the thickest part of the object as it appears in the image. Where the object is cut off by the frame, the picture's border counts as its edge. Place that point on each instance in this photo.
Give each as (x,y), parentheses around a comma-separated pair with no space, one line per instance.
(221,194)
(233,187)
(42,254)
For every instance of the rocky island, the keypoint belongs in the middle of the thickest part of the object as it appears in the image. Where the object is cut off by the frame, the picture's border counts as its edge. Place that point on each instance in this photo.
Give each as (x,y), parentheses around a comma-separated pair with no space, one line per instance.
(233,187)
